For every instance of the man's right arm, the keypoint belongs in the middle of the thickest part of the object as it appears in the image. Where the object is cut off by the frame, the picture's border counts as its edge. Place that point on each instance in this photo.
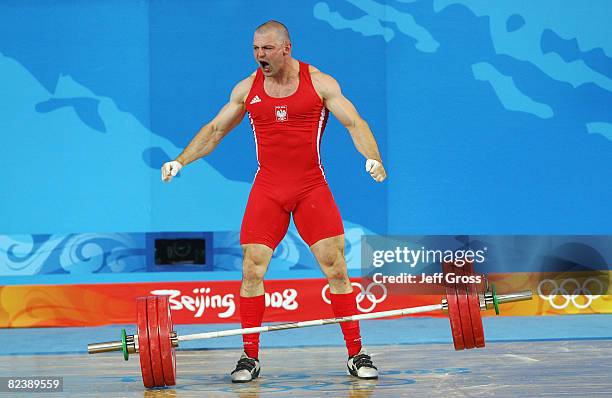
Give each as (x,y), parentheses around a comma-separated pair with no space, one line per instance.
(213,132)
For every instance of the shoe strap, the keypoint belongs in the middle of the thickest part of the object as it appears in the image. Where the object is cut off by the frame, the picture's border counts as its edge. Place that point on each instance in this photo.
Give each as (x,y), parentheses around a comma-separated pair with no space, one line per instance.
(245,364)
(362,360)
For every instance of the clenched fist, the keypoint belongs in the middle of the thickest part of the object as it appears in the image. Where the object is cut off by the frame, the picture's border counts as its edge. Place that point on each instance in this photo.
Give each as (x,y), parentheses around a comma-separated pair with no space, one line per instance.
(170,170)
(376,170)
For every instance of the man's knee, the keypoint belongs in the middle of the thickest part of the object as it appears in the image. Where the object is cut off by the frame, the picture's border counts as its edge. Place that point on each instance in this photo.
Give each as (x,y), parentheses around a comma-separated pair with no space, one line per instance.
(333,264)
(252,273)
(330,257)
(255,263)
(329,251)
(337,274)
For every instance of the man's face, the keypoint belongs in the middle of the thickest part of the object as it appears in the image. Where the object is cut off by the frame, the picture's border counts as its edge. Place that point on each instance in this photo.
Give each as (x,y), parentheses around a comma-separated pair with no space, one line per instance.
(269,52)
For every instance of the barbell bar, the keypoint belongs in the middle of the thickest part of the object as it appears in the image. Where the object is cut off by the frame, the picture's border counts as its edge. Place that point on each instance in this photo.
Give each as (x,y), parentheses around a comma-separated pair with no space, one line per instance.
(132,345)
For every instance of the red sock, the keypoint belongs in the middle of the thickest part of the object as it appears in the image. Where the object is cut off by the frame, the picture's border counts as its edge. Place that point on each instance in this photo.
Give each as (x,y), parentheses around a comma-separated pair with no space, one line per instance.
(345,305)
(251,315)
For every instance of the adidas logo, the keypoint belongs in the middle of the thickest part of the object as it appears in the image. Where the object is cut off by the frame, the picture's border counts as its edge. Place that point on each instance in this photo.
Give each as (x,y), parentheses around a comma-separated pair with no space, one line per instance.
(255,100)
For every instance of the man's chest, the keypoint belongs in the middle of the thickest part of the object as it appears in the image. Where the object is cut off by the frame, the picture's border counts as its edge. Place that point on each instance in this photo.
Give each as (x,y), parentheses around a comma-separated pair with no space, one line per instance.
(281,90)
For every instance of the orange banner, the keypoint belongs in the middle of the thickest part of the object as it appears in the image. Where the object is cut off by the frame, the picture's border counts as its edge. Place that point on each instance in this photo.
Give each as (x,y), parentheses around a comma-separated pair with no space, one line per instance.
(286,300)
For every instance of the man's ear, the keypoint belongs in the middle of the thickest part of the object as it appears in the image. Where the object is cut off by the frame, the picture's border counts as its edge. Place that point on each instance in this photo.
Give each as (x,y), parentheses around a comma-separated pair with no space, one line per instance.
(287,48)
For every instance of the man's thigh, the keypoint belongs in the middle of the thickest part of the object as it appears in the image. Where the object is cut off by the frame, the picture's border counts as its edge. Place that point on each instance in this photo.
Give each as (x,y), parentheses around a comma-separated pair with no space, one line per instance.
(265,221)
(317,217)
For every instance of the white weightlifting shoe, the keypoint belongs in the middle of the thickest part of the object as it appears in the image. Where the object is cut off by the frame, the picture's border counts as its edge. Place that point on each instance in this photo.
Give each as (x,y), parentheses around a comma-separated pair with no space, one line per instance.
(361,366)
(247,369)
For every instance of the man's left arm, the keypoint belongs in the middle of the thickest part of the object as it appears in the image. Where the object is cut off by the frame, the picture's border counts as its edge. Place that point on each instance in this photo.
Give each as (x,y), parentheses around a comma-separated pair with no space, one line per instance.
(345,112)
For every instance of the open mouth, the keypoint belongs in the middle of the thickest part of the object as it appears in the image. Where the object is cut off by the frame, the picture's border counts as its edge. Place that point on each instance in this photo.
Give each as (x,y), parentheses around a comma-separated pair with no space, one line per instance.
(265,66)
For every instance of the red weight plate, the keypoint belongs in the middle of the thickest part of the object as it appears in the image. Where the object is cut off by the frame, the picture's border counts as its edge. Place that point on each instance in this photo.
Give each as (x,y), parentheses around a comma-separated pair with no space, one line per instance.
(453,312)
(464,311)
(475,313)
(143,343)
(167,351)
(153,328)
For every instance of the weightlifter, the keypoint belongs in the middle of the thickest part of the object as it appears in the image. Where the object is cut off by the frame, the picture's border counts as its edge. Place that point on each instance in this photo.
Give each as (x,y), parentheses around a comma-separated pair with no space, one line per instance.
(288,103)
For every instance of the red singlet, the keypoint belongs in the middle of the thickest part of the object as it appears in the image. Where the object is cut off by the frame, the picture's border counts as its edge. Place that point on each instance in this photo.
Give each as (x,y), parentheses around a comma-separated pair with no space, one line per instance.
(290,178)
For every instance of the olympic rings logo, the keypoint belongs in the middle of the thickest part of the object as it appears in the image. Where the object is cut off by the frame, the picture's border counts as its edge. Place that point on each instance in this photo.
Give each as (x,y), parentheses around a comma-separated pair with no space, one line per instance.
(577,291)
(362,295)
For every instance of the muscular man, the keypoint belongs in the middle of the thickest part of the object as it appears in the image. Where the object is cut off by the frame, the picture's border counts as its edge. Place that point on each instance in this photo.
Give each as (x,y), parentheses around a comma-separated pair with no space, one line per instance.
(288,103)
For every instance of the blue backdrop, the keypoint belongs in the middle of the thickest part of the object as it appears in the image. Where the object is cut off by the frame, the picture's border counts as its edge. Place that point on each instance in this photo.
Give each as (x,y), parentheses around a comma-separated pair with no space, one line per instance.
(492,117)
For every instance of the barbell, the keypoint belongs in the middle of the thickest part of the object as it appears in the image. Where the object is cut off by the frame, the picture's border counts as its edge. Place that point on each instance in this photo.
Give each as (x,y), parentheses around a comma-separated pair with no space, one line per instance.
(156,340)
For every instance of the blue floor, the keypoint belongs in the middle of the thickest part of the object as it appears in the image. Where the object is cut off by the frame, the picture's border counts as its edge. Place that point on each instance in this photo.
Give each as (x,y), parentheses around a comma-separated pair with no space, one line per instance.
(378,332)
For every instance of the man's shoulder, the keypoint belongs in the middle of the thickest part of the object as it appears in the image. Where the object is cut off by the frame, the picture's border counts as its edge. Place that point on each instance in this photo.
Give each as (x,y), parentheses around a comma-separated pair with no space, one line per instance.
(315,73)
(242,89)
(247,82)
(323,83)
(312,69)
(320,76)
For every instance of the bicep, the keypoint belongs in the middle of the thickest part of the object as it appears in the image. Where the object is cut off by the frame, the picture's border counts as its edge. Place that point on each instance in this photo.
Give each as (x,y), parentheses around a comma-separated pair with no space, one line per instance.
(342,109)
(228,117)
(232,113)
(335,101)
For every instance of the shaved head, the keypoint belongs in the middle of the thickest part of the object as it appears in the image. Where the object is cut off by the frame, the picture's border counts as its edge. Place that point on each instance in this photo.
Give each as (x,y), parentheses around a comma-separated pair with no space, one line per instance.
(272,49)
(274,27)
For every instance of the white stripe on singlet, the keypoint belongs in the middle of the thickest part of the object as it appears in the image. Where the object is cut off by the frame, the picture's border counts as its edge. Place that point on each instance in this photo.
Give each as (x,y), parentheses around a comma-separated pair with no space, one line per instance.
(256,146)
(319,131)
